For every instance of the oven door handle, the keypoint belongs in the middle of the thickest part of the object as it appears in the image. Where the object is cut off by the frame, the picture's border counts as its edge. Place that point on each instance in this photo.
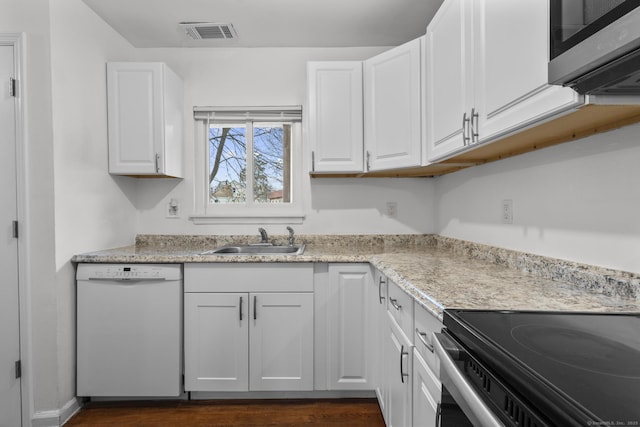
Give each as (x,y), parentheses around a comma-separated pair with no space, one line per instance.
(461,390)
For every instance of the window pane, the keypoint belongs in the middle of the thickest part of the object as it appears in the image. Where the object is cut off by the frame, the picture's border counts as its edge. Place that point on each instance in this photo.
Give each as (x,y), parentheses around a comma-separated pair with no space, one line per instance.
(272,163)
(227,164)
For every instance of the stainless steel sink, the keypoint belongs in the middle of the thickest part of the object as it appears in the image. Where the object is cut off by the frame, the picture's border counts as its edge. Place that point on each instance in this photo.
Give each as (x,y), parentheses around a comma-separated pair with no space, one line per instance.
(257,250)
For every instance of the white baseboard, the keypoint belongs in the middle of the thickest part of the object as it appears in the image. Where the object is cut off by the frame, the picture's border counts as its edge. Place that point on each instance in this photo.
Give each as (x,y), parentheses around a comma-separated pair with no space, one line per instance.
(56,417)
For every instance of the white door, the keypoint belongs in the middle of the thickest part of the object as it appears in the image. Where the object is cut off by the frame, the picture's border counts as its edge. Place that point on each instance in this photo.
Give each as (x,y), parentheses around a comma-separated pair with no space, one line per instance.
(335,115)
(502,32)
(281,341)
(10,402)
(398,370)
(392,108)
(348,348)
(449,66)
(426,393)
(378,306)
(135,107)
(216,342)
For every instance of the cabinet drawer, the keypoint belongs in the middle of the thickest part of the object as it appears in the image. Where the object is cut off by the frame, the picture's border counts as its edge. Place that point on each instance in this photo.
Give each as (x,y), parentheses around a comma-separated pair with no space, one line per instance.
(424,378)
(425,325)
(248,277)
(400,306)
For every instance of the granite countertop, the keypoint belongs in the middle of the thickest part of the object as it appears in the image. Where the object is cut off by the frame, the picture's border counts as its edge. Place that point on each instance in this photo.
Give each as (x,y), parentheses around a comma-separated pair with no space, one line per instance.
(430,269)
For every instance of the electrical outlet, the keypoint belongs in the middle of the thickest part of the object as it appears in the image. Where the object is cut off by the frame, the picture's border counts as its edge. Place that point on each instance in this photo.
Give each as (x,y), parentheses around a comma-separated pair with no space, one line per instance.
(507,211)
(173,209)
(392,209)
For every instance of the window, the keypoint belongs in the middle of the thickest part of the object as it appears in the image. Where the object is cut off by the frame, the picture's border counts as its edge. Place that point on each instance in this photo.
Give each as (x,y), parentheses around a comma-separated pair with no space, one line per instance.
(252,164)
(266,179)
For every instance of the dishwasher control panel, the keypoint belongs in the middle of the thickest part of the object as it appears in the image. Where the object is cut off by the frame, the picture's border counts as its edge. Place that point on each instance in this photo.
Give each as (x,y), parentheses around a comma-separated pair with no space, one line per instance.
(129,272)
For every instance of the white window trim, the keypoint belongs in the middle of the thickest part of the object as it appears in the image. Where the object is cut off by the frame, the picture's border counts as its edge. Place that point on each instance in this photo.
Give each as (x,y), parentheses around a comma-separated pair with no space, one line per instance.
(289,213)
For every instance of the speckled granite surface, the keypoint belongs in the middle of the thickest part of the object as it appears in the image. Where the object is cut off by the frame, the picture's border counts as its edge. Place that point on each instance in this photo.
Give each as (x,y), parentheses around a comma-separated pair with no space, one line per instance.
(438,271)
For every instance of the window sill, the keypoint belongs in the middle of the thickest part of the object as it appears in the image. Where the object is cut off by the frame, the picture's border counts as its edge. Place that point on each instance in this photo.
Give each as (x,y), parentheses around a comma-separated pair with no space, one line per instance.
(293,218)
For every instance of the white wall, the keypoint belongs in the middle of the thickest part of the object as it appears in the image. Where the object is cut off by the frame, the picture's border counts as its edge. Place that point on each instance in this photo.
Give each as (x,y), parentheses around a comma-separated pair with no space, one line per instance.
(93,210)
(32,18)
(578,201)
(276,76)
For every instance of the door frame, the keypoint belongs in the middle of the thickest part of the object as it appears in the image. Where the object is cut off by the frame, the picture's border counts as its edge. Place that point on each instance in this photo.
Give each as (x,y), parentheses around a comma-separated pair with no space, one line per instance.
(17,41)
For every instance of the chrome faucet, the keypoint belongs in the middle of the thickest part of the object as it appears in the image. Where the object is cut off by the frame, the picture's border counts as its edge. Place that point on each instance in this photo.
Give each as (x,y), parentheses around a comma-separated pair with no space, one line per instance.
(263,235)
(291,238)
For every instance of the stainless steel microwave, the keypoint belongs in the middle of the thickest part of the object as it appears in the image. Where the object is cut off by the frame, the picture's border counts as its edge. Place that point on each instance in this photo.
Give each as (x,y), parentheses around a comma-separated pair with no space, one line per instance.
(595,45)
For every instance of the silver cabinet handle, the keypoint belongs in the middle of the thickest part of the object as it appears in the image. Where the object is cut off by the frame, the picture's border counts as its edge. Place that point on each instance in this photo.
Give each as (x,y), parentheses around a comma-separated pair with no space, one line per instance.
(394,303)
(465,123)
(255,307)
(313,161)
(474,127)
(422,337)
(402,354)
(157,162)
(368,161)
(438,413)
(240,309)
(381,281)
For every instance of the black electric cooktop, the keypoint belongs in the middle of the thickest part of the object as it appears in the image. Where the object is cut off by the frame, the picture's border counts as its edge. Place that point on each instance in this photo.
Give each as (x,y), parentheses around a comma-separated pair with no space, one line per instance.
(576,368)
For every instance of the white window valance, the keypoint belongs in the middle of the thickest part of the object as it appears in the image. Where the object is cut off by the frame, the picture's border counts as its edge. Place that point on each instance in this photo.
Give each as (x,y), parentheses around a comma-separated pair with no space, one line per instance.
(289,113)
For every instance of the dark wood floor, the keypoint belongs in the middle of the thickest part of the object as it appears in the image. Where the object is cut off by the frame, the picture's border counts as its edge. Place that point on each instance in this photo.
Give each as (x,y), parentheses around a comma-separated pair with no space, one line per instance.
(244,413)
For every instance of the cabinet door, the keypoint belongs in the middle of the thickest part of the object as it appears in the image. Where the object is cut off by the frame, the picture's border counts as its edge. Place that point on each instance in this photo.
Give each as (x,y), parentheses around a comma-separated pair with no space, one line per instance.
(378,304)
(216,342)
(427,392)
(349,350)
(334,96)
(508,93)
(281,341)
(398,370)
(145,111)
(449,68)
(393,113)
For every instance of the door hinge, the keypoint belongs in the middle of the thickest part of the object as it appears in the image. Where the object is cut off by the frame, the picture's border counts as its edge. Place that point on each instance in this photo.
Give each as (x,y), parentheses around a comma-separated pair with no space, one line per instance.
(15,229)
(13,87)
(18,369)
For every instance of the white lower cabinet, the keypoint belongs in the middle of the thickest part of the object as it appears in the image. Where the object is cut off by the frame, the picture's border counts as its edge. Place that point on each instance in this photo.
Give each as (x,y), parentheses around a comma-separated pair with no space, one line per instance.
(397,343)
(378,305)
(426,393)
(349,346)
(427,389)
(256,340)
(216,342)
(281,341)
(250,327)
(398,375)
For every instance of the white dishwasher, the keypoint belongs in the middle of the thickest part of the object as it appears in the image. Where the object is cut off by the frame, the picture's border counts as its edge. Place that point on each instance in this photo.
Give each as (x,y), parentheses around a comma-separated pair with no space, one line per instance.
(129,330)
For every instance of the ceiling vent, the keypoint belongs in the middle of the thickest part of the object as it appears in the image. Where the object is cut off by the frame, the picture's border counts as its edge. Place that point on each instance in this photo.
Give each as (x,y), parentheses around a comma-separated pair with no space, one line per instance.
(209,31)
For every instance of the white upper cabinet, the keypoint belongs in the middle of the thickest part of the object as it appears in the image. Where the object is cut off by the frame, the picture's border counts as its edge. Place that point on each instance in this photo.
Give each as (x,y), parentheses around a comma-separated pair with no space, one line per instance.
(334,97)
(511,54)
(145,106)
(487,73)
(392,108)
(448,77)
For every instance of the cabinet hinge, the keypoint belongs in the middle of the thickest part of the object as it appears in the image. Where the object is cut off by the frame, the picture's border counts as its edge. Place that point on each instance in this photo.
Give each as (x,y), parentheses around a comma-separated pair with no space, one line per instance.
(14,227)
(18,369)
(13,87)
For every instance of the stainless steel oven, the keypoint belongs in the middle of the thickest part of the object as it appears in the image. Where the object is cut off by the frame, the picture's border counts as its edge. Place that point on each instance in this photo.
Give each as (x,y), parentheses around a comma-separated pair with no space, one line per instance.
(466,382)
(595,45)
(539,368)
